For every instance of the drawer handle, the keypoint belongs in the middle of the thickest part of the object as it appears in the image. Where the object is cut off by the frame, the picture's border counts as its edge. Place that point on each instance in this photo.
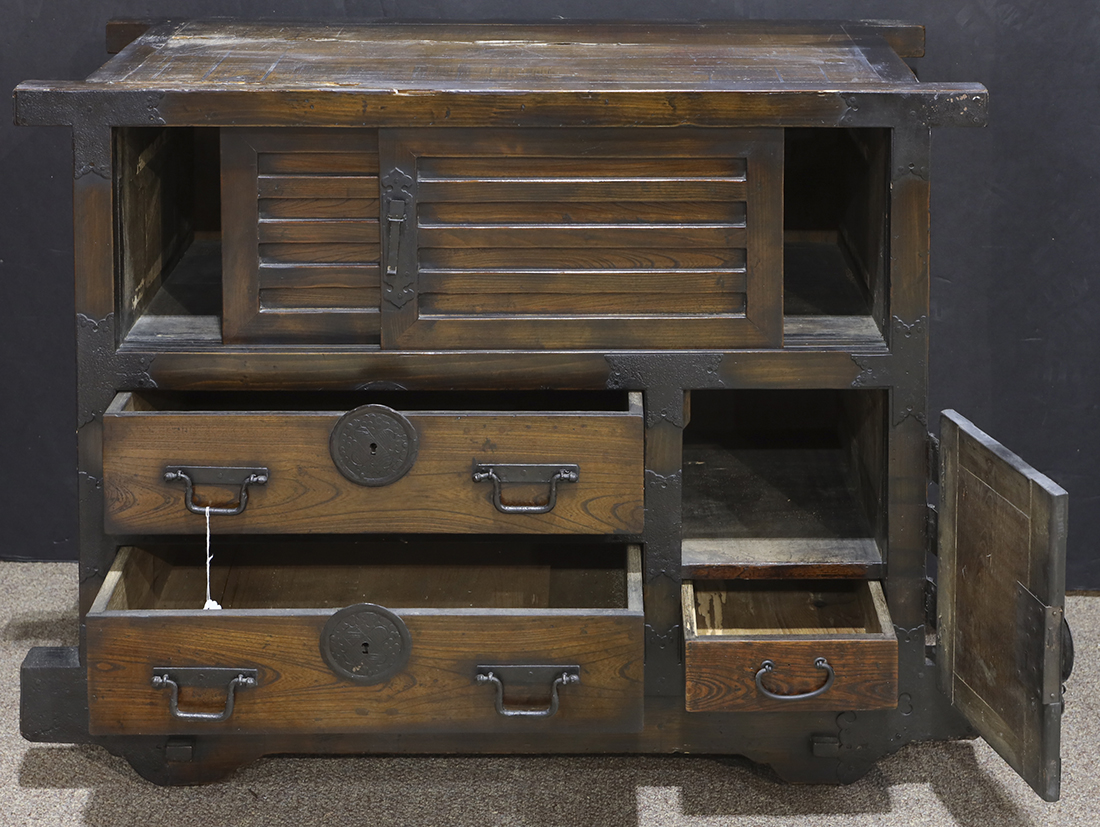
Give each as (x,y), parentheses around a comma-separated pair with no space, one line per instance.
(202,475)
(206,678)
(501,475)
(767,666)
(562,675)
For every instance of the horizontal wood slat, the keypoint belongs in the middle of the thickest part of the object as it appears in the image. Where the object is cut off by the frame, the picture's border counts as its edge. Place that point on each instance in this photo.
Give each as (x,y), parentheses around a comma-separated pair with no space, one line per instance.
(564,258)
(589,236)
(320,298)
(580,282)
(594,304)
(505,167)
(308,276)
(587,189)
(326,163)
(319,207)
(317,186)
(319,231)
(335,253)
(580,212)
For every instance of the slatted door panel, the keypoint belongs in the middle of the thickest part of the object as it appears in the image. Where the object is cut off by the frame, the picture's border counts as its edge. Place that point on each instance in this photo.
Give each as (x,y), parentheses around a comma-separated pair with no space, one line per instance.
(300,235)
(582,238)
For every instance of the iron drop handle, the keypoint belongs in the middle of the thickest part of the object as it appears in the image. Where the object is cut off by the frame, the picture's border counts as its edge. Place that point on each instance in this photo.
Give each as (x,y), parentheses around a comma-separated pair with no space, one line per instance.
(206,678)
(549,475)
(562,675)
(768,666)
(202,475)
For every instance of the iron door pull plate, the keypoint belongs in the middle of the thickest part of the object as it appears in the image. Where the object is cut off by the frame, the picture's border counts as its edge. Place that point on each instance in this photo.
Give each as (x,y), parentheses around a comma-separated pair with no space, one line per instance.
(192,475)
(768,666)
(526,474)
(204,678)
(496,675)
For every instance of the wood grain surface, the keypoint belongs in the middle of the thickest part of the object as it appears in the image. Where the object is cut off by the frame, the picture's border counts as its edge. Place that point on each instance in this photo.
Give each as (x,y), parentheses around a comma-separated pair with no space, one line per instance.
(730,630)
(307,493)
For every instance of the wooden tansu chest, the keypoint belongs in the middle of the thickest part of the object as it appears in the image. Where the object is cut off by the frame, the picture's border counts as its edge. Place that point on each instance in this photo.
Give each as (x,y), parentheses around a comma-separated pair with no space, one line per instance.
(534,388)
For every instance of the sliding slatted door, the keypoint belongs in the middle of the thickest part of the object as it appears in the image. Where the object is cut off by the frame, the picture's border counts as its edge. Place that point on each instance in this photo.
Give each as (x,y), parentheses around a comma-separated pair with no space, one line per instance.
(300,235)
(581,238)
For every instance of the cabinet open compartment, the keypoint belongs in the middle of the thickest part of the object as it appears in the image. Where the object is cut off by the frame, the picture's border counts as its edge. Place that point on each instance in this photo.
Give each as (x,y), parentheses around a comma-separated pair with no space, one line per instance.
(836,245)
(516,607)
(784,484)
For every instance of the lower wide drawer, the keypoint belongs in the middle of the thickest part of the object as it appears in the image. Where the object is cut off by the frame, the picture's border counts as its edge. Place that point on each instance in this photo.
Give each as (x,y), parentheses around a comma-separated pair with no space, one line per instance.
(801,646)
(342,639)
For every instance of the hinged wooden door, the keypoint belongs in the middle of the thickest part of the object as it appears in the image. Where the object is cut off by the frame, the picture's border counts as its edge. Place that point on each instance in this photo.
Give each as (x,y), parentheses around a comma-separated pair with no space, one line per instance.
(581,238)
(1002,540)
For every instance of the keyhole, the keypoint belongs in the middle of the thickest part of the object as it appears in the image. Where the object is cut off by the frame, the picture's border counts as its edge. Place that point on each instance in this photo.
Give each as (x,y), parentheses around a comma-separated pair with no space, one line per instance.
(366,647)
(373,448)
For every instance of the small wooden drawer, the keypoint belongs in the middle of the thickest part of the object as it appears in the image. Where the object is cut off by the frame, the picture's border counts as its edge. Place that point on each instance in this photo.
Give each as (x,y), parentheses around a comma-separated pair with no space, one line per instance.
(345,639)
(369,467)
(764,646)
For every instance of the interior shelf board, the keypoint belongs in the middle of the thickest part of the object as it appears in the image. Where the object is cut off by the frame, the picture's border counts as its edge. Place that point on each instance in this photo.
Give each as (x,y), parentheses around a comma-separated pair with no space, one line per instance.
(765,558)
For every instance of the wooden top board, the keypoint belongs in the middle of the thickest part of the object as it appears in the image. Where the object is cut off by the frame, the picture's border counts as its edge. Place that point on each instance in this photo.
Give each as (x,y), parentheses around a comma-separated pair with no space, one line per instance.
(413,61)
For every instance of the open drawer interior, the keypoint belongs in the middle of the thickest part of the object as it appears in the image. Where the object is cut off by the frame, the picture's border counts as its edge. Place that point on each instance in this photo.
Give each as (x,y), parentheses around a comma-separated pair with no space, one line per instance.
(771,645)
(447,574)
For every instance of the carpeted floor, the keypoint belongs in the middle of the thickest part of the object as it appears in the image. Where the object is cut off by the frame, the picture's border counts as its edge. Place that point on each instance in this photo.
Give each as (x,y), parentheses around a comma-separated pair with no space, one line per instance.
(961,783)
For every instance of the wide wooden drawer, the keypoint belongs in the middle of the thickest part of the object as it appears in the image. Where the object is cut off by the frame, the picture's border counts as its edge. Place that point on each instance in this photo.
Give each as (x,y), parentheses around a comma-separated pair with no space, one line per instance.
(369,467)
(313,659)
(770,646)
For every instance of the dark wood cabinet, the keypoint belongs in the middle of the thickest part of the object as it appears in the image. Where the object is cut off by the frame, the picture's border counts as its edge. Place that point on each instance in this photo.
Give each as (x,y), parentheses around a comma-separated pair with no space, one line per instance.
(537,388)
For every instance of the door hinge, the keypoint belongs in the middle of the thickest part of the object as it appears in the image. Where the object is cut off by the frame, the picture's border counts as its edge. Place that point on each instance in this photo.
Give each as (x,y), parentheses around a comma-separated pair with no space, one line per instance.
(930,604)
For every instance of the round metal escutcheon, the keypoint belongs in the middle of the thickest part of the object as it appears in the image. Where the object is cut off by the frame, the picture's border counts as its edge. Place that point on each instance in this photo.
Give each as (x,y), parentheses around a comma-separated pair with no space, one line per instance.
(365,643)
(373,445)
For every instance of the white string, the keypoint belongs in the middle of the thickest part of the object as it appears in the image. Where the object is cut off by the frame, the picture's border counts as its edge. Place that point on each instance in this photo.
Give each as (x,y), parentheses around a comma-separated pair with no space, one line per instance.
(210,602)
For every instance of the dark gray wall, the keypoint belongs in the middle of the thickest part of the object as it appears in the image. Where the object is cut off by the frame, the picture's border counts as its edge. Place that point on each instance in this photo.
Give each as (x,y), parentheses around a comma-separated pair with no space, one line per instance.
(1015,246)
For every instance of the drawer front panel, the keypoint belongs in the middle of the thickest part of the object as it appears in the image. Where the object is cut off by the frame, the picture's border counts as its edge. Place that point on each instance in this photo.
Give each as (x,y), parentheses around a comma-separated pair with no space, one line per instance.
(582,238)
(726,667)
(306,492)
(296,691)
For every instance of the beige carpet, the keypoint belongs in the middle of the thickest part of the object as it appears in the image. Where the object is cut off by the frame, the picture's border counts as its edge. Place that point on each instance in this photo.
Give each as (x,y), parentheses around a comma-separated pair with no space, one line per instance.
(939,784)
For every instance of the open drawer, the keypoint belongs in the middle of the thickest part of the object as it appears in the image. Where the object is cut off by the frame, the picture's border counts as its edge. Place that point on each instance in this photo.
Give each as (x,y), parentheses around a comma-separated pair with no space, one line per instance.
(565,463)
(771,646)
(458,636)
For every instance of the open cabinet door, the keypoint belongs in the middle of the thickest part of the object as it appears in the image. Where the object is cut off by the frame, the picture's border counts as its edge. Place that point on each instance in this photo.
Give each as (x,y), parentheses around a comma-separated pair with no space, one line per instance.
(1002,544)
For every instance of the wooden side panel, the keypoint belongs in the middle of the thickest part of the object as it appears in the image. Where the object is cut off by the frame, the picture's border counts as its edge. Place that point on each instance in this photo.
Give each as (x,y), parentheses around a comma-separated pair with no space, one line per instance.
(300,207)
(1002,598)
(594,238)
(307,493)
(298,693)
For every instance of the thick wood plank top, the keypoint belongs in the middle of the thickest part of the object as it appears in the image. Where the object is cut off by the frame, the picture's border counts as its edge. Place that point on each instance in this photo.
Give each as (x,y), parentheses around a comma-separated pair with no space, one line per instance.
(236,73)
(504,57)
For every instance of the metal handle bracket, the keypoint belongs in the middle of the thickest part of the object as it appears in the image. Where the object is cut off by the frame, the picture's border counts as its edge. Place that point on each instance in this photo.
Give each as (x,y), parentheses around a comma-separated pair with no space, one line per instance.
(556,676)
(526,474)
(203,677)
(228,476)
(768,666)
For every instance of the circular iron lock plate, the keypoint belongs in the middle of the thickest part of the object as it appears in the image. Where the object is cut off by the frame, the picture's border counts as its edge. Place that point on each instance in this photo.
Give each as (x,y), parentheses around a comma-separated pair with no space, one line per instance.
(365,643)
(373,445)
